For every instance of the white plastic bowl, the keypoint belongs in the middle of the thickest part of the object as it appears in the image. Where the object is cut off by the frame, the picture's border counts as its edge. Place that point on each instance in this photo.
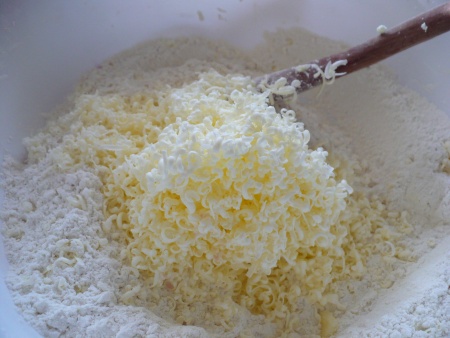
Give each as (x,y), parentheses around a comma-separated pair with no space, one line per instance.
(46,45)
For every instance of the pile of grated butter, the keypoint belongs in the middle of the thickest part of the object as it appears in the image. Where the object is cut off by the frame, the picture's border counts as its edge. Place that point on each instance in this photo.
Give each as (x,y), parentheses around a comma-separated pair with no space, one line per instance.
(222,202)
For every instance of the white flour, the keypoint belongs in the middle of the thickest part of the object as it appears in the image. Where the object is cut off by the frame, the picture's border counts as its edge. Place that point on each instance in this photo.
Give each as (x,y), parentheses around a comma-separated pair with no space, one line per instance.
(397,136)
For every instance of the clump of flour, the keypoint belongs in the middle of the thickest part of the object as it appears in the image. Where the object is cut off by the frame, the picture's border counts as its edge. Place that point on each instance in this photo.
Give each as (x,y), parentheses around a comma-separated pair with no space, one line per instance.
(68,275)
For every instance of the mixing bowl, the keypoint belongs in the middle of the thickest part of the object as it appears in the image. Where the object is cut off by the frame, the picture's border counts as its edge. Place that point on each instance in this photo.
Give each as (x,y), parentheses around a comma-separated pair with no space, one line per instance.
(45,46)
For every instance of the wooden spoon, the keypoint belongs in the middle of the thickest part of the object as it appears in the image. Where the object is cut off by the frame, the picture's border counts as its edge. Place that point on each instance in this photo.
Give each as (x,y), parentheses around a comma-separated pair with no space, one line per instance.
(410,33)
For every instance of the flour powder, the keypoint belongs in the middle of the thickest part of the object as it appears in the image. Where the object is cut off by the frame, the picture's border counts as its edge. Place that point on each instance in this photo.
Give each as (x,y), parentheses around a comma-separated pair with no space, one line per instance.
(68,277)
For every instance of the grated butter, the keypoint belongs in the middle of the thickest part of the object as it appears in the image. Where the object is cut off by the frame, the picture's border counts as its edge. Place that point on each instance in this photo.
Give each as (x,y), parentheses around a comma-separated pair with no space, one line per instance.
(221,200)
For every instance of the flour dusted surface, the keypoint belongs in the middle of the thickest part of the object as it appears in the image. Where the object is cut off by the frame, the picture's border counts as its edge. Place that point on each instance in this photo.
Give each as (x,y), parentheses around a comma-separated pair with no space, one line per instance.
(92,284)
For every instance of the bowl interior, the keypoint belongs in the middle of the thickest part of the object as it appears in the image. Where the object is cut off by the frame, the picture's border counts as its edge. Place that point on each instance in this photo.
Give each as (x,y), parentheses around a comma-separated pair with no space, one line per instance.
(45,46)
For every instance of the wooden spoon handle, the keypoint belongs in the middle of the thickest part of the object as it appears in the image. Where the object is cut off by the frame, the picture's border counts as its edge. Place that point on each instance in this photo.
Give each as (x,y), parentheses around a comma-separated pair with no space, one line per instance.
(410,33)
